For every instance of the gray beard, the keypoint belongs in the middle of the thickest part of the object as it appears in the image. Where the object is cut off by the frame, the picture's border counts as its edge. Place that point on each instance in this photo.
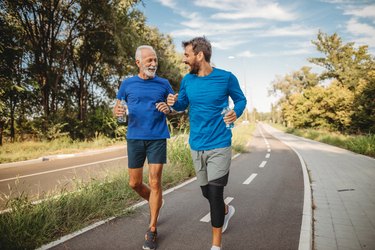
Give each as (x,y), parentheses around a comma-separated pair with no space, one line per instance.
(150,74)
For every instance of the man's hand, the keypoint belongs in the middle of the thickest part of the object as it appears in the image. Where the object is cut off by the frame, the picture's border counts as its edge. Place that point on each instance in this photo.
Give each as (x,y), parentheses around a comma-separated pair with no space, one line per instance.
(171,99)
(163,107)
(118,109)
(230,117)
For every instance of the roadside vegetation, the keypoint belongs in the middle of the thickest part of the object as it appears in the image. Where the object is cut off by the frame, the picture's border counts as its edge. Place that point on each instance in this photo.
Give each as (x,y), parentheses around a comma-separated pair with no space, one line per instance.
(28,225)
(361,144)
(27,150)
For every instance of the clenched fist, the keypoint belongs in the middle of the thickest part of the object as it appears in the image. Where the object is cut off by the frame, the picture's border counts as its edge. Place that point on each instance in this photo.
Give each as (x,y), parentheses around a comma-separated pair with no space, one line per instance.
(171,99)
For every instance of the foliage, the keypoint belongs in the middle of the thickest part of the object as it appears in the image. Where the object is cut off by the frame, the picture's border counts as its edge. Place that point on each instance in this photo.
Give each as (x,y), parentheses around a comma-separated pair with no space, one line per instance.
(62,62)
(339,99)
(361,144)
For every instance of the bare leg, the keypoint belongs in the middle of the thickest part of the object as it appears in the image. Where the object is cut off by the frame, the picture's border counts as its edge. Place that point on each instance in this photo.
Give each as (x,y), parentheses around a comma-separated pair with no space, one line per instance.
(216,236)
(136,182)
(155,197)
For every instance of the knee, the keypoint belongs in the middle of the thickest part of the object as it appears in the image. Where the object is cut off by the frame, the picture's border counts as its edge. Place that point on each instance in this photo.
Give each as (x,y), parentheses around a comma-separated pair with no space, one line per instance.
(135,184)
(155,183)
(205,191)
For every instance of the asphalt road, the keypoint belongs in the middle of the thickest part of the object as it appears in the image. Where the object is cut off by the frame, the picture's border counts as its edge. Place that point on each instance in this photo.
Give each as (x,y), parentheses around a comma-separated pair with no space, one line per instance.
(265,186)
(42,177)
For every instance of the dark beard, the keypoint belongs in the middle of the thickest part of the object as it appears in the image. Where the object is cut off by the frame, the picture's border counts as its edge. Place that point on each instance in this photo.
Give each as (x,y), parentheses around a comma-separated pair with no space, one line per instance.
(194,68)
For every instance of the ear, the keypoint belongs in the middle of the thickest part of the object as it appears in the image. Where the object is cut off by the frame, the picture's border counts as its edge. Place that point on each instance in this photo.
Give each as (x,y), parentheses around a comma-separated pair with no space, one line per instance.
(200,56)
(138,63)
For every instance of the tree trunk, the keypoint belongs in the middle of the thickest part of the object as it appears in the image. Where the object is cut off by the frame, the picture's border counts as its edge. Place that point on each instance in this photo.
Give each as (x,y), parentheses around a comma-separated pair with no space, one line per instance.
(1,132)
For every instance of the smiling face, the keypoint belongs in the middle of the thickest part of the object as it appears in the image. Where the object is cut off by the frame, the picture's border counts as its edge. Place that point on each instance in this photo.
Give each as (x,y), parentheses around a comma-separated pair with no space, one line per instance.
(147,64)
(191,59)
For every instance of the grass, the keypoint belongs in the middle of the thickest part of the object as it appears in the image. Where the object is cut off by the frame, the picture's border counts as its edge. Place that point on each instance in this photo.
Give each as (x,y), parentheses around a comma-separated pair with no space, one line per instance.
(241,134)
(21,151)
(30,225)
(361,144)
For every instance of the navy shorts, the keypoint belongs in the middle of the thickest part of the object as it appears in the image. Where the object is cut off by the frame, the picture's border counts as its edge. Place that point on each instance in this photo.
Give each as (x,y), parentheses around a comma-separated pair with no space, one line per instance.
(154,150)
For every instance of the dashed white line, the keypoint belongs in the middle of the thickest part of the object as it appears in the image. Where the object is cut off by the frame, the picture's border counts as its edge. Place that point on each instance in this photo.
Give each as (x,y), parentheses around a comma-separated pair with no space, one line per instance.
(250,179)
(263,164)
(268,155)
(207,217)
(269,150)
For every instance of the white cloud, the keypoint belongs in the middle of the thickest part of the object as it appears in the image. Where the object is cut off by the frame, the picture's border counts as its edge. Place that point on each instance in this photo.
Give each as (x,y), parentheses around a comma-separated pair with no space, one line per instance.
(343,1)
(219,4)
(244,9)
(168,3)
(365,33)
(364,12)
(219,27)
(188,33)
(294,30)
(271,12)
(246,54)
(197,24)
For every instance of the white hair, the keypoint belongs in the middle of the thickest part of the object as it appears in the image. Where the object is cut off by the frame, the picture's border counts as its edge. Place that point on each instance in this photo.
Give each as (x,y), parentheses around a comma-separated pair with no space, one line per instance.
(138,54)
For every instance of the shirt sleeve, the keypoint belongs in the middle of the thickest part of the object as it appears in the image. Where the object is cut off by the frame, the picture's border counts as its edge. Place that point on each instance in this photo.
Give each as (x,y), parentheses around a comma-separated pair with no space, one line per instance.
(236,95)
(169,89)
(183,101)
(121,92)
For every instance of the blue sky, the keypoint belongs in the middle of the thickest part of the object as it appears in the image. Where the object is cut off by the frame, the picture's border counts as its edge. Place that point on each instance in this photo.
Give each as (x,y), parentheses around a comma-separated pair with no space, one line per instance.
(258,40)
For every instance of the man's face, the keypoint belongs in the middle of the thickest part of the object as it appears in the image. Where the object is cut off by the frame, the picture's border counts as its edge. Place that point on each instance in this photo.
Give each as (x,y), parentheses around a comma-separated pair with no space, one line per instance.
(191,59)
(148,64)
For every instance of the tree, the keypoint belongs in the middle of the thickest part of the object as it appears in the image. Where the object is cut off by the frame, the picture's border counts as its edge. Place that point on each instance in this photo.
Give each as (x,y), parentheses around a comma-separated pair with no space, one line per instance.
(352,68)
(62,62)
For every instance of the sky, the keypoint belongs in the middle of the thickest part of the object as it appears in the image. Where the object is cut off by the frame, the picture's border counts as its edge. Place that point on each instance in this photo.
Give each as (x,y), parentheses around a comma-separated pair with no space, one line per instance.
(258,40)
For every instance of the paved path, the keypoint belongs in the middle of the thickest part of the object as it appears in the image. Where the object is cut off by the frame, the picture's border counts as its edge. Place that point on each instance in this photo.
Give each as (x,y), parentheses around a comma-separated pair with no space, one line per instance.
(343,194)
(265,186)
(343,190)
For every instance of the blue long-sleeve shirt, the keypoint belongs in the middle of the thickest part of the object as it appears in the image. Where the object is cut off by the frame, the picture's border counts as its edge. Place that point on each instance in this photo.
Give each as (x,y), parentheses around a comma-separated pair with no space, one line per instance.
(206,97)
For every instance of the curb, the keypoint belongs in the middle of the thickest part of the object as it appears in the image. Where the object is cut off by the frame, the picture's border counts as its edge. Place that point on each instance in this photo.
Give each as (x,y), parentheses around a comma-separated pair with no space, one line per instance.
(305,240)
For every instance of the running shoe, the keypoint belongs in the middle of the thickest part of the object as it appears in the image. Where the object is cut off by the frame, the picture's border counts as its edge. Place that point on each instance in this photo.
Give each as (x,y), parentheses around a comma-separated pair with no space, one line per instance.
(229,215)
(150,240)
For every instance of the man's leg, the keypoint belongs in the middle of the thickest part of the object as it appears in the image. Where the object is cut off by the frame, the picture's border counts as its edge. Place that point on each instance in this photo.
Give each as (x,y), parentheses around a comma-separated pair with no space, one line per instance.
(136,158)
(217,209)
(218,162)
(155,197)
(136,182)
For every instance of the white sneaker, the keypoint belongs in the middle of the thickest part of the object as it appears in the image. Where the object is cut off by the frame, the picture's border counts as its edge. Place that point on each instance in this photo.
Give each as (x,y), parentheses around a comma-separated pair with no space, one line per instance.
(229,215)
(215,248)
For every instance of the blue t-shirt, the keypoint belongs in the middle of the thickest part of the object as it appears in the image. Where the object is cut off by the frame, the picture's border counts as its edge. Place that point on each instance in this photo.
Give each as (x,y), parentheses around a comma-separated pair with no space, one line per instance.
(145,121)
(206,97)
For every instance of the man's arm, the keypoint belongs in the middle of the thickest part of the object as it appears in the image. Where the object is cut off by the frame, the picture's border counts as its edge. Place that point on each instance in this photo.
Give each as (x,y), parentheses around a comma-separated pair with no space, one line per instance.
(237,96)
(179,101)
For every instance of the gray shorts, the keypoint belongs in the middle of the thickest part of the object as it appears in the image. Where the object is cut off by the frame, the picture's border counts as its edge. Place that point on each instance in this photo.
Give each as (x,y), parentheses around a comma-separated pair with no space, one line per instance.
(212,166)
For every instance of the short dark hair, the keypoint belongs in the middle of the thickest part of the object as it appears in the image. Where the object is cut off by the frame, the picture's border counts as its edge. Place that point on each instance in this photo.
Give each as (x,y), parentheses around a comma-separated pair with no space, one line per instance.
(200,44)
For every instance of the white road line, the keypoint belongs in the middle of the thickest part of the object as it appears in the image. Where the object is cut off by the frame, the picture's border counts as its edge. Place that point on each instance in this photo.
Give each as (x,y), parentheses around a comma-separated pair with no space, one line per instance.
(62,169)
(207,217)
(235,156)
(269,150)
(268,155)
(250,179)
(263,164)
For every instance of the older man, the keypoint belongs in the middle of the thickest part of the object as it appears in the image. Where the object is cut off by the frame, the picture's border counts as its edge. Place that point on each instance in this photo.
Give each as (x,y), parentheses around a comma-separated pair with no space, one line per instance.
(145,95)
